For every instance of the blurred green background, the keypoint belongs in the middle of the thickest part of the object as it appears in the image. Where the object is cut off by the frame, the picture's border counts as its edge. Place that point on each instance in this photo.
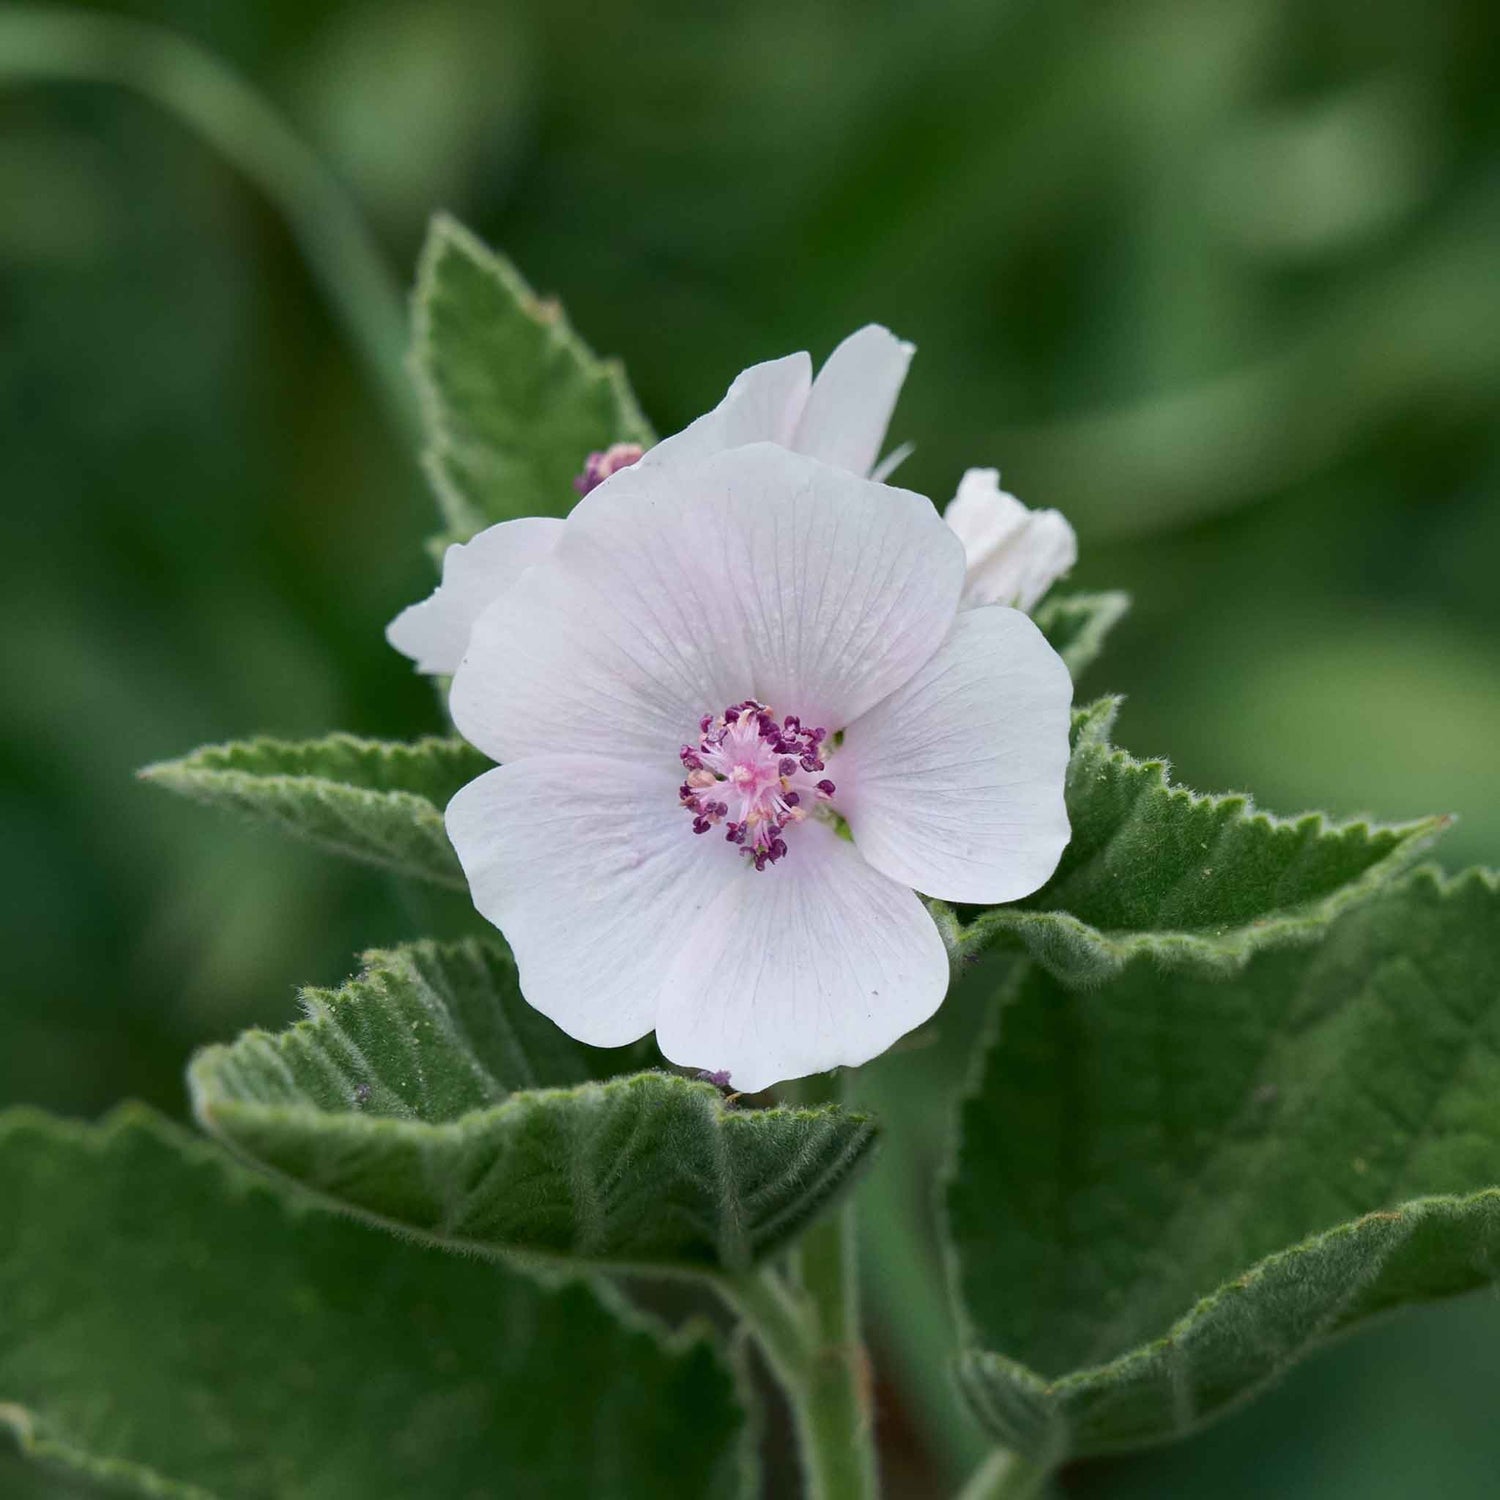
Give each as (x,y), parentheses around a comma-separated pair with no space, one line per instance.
(1219,280)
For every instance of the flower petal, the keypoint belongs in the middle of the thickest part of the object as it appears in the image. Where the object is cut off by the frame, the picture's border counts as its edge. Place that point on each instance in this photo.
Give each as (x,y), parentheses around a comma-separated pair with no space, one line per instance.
(985,517)
(592,871)
(677,591)
(435,632)
(818,962)
(954,785)
(851,401)
(1014,554)
(761,406)
(836,588)
(1051,551)
(604,649)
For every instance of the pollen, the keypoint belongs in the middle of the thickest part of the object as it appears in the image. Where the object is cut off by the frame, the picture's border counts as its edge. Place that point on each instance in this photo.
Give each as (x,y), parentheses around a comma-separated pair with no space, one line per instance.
(754,776)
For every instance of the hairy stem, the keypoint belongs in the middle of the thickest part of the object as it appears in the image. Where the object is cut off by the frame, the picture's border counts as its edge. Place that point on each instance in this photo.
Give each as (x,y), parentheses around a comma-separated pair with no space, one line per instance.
(1005,1476)
(840,1426)
(810,1333)
(51,45)
(810,1337)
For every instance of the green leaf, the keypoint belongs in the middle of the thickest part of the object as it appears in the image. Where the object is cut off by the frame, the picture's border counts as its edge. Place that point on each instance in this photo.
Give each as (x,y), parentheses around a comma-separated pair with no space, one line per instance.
(1077,625)
(1194,881)
(513,401)
(1170,1189)
(426,1095)
(170,1325)
(378,803)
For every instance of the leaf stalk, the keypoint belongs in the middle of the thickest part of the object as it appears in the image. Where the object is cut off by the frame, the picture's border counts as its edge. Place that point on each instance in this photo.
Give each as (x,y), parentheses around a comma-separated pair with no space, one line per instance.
(809,1330)
(1005,1476)
(811,1339)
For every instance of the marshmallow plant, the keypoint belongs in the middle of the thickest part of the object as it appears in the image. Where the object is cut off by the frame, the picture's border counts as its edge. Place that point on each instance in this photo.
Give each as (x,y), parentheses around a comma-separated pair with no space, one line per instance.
(775,832)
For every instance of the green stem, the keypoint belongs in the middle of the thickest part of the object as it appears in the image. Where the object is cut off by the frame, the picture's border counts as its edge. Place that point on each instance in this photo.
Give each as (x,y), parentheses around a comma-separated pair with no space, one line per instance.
(841,1428)
(1005,1476)
(811,1337)
(811,1341)
(341,253)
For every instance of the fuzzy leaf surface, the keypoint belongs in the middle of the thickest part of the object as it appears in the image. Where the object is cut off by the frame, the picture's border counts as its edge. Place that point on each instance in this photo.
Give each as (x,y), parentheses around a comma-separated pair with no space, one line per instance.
(172,1327)
(428,1096)
(379,803)
(513,401)
(1194,881)
(1170,1189)
(1078,625)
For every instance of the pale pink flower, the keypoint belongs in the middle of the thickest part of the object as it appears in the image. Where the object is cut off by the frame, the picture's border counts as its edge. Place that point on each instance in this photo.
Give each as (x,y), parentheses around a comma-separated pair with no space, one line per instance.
(730,657)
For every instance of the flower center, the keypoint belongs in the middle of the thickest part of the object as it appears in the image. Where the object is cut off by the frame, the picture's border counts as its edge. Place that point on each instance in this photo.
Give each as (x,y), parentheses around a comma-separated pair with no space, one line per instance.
(757,777)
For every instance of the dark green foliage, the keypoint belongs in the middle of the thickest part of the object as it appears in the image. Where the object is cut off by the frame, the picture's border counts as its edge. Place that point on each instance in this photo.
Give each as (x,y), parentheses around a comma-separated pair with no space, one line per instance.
(427,1095)
(1194,881)
(171,1325)
(1169,1189)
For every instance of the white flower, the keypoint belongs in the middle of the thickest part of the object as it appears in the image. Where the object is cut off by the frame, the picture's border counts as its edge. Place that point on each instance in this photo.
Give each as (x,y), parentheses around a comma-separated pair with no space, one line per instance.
(717,656)
(840,417)
(1014,554)
(435,633)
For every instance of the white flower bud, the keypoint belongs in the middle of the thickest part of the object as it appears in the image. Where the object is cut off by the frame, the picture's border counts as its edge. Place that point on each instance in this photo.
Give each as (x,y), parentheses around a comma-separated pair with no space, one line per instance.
(1014,554)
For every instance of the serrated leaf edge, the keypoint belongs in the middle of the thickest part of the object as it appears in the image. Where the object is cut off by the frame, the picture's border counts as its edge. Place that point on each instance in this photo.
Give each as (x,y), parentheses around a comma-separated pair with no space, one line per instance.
(1221,953)
(188,777)
(120,1475)
(216,1115)
(1408,1214)
(241,1181)
(445,235)
(974,1364)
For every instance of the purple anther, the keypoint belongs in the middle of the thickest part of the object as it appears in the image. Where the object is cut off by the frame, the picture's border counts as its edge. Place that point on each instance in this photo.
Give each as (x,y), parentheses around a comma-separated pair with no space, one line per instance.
(597,467)
(756,775)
